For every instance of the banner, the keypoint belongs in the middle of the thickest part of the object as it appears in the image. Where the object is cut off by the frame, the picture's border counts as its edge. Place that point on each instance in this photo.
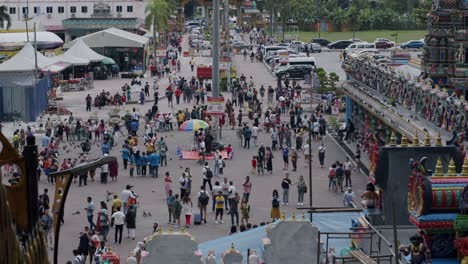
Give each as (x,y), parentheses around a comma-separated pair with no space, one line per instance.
(215,106)
(161,52)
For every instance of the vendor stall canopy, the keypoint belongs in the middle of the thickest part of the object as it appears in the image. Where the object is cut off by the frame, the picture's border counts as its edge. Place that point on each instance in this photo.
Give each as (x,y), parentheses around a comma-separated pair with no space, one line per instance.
(111,37)
(23,61)
(16,41)
(81,50)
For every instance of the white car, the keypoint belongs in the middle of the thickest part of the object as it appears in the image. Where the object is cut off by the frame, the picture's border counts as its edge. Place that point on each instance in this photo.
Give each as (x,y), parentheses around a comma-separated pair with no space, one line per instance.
(204,45)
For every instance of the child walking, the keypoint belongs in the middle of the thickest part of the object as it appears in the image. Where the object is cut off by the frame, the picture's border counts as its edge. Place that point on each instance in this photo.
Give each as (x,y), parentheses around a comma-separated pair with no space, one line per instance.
(254,164)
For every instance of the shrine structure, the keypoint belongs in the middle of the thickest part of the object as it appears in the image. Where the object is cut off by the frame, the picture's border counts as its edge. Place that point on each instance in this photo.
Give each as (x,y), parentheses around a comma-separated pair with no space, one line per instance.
(445,56)
(437,204)
(382,99)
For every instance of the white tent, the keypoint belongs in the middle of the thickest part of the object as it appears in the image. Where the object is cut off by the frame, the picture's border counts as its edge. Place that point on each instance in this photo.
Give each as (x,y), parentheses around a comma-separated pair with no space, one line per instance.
(81,50)
(111,37)
(23,61)
(43,36)
(75,61)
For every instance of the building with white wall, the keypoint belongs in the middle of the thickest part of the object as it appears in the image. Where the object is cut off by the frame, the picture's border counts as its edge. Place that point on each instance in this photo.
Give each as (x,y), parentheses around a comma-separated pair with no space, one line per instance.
(73,18)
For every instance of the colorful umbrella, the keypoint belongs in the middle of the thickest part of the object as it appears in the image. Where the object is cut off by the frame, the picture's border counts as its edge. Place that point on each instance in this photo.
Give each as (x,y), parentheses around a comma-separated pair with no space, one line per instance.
(193,124)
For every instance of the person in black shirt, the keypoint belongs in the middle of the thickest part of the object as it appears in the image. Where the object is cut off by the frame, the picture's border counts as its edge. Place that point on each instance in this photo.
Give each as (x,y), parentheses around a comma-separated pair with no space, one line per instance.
(285,186)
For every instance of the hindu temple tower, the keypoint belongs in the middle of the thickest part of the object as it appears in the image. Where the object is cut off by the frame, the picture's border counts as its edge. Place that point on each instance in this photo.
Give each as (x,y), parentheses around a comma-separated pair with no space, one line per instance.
(445,55)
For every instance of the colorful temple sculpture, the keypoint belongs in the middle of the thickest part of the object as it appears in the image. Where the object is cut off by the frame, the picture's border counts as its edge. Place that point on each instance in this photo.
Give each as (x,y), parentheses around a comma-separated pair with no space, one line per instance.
(445,56)
(21,237)
(438,204)
(20,225)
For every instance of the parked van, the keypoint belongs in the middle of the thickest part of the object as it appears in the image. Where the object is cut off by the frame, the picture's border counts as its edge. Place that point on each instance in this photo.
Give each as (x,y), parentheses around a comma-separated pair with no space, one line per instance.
(298,61)
(271,48)
(360,45)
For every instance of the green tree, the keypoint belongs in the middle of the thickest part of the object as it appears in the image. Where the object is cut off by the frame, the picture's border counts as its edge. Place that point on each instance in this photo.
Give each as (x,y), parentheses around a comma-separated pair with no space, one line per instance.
(5,20)
(333,78)
(157,14)
(420,13)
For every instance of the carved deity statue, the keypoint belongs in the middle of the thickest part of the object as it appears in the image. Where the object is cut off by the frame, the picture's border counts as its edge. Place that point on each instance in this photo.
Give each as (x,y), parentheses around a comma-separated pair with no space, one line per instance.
(416,252)
(461,54)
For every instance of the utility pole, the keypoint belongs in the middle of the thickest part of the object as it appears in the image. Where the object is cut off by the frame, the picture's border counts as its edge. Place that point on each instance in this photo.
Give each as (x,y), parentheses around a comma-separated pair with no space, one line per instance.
(310,166)
(35,53)
(228,53)
(317,13)
(26,17)
(215,66)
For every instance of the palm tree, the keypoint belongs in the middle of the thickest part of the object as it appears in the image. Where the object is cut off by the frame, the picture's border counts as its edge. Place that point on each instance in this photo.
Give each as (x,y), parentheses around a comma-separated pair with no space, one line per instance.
(157,13)
(4,17)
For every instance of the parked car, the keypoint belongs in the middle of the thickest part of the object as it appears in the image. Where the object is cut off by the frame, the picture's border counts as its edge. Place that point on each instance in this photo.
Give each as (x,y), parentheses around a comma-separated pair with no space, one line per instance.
(339,44)
(204,45)
(322,42)
(294,72)
(297,45)
(383,44)
(315,48)
(240,45)
(412,44)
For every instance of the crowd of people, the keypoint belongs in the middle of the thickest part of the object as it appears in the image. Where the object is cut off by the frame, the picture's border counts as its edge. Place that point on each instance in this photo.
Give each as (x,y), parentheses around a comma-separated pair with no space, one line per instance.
(279,117)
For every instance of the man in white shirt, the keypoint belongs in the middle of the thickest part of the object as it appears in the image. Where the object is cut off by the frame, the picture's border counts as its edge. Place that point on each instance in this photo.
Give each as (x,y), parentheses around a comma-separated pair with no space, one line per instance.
(119,221)
(306,154)
(231,192)
(104,172)
(254,135)
(127,193)
(347,166)
(348,198)
(135,115)
(183,185)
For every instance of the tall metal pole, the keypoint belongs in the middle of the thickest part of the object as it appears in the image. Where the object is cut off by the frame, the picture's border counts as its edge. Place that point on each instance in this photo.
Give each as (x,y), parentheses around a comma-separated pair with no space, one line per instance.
(310,167)
(228,54)
(215,67)
(317,10)
(35,52)
(26,19)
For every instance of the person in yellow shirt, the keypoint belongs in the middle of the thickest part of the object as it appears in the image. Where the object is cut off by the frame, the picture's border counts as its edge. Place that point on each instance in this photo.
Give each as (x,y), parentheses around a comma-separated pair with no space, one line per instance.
(149,147)
(16,139)
(116,203)
(219,207)
(180,118)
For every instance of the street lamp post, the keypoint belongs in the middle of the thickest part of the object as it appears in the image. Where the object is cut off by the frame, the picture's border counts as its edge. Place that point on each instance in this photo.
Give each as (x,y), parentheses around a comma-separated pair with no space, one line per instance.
(310,167)
(215,67)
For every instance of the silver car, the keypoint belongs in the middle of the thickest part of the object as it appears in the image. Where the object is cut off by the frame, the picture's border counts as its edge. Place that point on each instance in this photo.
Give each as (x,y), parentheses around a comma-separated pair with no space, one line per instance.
(315,48)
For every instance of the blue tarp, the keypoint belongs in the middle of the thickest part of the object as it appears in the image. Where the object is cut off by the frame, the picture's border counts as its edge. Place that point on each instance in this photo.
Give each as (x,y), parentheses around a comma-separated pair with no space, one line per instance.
(325,222)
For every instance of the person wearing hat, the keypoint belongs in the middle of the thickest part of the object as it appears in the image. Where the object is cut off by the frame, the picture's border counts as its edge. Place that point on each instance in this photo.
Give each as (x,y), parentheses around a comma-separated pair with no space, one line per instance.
(348,198)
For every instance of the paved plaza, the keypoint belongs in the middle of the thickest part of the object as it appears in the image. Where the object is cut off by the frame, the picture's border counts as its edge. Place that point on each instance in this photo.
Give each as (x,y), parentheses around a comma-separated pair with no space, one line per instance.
(151,191)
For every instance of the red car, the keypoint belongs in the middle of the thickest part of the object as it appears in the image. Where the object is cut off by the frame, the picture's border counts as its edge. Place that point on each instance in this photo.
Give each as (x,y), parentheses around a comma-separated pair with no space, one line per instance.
(383,45)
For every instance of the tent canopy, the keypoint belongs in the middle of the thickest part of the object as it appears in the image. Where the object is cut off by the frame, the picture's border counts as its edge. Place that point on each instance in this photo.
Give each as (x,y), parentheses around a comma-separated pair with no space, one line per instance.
(24,61)
(15,41)
(111,37)
(75,61)
(81,50)
(56,67)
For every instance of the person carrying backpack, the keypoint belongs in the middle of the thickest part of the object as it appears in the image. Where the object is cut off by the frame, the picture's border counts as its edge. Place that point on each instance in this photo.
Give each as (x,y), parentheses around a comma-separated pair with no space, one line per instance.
(207,176)
(203,200)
